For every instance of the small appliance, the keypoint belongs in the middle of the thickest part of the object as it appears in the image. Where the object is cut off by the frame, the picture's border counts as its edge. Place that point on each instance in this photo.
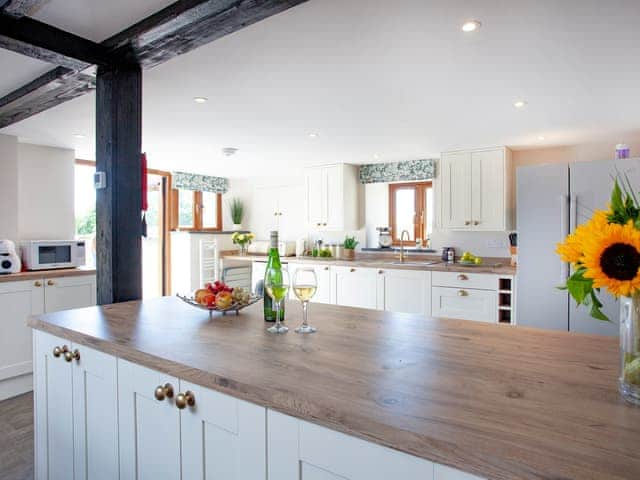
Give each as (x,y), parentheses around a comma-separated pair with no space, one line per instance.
(261,247)
(384,237)
(51,254)
(9,259)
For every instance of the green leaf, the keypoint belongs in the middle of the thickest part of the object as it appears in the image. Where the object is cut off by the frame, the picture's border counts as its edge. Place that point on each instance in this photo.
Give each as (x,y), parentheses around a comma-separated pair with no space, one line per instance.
(596,306)
(617,205)
(579,287)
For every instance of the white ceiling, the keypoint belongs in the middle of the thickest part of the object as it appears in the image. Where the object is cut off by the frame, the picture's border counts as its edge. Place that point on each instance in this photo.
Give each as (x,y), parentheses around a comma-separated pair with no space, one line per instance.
(393,80)
(18,70)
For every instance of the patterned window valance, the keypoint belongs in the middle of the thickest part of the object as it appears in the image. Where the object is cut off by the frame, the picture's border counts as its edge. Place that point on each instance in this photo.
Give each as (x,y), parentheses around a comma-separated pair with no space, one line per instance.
(410,170)
(203,183)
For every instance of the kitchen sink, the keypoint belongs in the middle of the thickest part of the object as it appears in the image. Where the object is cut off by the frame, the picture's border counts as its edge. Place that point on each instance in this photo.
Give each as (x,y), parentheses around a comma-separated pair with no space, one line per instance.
(415,263)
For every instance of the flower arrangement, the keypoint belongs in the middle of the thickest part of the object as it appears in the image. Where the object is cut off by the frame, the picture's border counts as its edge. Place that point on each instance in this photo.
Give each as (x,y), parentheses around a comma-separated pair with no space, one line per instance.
(242,239)
(605,253)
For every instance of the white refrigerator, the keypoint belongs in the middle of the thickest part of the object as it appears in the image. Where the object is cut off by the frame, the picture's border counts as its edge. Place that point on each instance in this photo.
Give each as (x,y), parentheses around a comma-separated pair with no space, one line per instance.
(551,201)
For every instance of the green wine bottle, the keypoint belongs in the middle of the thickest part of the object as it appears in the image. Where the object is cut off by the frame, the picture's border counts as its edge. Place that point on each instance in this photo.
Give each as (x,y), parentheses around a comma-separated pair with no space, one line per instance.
(273,262)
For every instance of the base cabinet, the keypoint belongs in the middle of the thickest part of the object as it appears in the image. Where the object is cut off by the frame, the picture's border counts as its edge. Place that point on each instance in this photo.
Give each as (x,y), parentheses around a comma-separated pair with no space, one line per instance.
(76,411)
(406,291)
(355,287)
(323,275)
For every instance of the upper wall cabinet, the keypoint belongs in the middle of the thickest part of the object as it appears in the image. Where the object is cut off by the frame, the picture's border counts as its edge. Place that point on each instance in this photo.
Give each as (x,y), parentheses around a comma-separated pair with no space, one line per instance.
(332,197)
(476,190)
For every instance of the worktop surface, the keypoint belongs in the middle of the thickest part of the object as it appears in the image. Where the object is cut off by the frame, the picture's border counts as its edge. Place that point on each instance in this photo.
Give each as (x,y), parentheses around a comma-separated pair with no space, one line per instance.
(40,274)
(497,401)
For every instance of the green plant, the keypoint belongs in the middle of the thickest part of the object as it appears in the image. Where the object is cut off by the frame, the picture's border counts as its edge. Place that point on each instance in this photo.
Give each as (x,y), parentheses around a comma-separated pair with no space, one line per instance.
(350,243)
(86,225)
(236,209)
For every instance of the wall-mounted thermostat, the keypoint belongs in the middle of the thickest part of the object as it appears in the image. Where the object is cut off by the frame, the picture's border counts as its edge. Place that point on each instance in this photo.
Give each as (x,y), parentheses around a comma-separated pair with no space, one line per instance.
(100,180)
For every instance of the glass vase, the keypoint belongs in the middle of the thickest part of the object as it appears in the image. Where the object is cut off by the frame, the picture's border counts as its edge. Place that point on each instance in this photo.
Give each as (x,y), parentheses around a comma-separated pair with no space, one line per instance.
(630,348)
(243,249)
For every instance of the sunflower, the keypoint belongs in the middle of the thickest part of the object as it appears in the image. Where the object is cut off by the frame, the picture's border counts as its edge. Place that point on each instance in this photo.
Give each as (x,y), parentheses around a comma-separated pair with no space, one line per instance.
(572,249)
(611,255)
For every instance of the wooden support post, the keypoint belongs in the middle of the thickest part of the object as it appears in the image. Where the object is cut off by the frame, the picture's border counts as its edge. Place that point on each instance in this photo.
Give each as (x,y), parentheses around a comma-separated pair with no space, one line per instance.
(118,216)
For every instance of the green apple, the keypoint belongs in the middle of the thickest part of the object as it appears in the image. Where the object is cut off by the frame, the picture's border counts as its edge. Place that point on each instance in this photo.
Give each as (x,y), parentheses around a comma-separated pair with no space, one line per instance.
(478,261)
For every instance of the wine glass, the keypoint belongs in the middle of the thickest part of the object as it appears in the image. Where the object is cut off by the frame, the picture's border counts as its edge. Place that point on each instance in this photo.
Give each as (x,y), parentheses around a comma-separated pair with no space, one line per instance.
(276,283)
(305,284)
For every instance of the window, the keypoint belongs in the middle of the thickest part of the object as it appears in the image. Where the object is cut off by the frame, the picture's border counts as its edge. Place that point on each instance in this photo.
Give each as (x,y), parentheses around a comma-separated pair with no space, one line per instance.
(85,200)
(195,210)
(411,209)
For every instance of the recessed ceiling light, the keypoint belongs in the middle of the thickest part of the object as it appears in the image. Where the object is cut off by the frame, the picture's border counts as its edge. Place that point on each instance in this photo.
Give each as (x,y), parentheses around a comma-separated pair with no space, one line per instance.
(78,135)
(541,137)
(376,156)
(228,151)
(471,26)
(200,99)
(314,135)
(519,103)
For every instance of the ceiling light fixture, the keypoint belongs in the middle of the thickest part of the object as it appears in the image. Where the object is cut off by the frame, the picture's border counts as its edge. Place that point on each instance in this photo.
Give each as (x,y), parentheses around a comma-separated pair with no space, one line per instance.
(200,99)
(78,136)
(314,135)
(519,103)
(471,26)
(541,137)
(228,151)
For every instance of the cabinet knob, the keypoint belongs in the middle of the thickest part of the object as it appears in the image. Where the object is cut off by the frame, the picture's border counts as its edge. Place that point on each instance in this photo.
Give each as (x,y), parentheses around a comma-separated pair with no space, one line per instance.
(380,272)
(163,392)
(326,268)
(476,222)
(186,399)
(468,222)
(462,293)
(57,351)
(70,356)
(462,276)
(37,284)
(352,270)
(318,224)
(324,224)
(51,283)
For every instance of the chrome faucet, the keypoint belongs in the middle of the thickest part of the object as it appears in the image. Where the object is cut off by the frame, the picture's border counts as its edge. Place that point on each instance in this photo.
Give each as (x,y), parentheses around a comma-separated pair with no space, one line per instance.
(402,252)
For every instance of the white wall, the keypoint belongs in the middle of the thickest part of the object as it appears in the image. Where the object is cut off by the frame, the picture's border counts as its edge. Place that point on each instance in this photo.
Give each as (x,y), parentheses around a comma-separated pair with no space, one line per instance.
(8,187)
(45,192)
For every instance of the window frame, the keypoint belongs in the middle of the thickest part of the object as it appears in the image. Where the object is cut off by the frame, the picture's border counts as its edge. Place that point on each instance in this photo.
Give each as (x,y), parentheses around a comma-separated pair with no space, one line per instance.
(197,225)
(420,215)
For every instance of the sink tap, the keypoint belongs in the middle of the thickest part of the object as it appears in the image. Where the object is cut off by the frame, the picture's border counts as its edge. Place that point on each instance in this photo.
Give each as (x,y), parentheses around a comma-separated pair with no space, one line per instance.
(402,252)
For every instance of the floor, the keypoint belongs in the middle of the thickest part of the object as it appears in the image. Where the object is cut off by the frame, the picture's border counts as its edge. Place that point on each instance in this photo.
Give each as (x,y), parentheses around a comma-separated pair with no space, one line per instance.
(16,438)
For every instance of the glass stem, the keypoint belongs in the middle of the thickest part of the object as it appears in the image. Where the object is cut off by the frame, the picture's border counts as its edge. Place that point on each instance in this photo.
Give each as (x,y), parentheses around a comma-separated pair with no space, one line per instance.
(304,314)
(277,304)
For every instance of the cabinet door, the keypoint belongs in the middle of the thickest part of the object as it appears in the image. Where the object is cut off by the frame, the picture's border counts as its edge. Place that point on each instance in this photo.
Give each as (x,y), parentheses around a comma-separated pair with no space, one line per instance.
(95,415)
(465,304)
(407,291)
(222,437)
(488,190)
(315,199)
(333,196)
(355,287)
(323,274)
(456,191)
(300,450)
(18,301)
(149,428)
(53,406)
(69,292)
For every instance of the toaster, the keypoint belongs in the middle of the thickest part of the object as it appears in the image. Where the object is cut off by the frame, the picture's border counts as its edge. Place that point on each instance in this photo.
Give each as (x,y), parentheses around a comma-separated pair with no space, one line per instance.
(9,259)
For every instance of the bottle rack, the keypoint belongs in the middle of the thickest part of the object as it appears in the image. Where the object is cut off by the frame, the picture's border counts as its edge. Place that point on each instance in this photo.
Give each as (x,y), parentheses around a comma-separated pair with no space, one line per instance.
(506,300)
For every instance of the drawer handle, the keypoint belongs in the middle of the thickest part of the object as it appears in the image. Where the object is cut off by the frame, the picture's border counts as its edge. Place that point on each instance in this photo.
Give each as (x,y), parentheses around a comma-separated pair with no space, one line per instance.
(70,356)
(51,283)
(462,276)
(37,284)
(462,293)
(352,270)
(163,392)
(380,272)
(468,222)
(476,222)
(186,399)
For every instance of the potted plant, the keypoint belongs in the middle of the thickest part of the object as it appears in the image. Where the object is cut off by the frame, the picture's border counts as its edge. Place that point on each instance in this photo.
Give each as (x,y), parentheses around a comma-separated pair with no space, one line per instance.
(349,247)
(243,240)
(236,209)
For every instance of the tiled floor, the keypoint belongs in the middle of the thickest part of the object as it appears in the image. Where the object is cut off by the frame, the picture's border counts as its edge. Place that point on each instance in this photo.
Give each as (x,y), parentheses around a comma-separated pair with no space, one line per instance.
(16,438)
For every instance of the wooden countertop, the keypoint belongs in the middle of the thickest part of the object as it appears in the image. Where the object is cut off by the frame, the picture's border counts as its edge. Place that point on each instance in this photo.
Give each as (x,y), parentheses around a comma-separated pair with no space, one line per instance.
(66,272)
(499,266)
(497,401)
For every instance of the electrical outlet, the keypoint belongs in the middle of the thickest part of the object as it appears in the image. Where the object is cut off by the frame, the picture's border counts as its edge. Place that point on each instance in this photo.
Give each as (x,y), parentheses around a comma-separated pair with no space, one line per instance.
(497,243)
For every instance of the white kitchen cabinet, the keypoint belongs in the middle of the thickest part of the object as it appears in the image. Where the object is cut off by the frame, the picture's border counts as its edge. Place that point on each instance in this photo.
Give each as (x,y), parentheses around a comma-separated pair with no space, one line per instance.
(300,450)
(332,197)
(405,291)
(355,287)
(76,411)
(217,437)
(323,274)
(279,208)
(476,190)
(66,293)
(465,304)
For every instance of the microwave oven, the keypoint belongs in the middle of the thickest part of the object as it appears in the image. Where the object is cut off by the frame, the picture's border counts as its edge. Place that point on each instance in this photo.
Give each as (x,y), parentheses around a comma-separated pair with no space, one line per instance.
(50,254)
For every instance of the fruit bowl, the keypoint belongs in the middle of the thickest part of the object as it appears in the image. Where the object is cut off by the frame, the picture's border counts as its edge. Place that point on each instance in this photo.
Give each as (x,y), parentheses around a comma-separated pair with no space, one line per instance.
(234,307)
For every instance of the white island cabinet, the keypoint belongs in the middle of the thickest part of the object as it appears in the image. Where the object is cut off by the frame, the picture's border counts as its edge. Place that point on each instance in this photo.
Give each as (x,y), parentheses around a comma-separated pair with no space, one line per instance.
(355,287)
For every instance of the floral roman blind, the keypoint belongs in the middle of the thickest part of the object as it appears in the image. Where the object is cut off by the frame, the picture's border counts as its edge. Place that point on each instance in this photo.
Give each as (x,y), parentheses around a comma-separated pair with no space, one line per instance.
(202,183)
(411,170)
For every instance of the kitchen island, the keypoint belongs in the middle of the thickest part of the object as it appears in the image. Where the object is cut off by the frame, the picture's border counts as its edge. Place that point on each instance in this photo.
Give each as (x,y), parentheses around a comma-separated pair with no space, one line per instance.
(371,395)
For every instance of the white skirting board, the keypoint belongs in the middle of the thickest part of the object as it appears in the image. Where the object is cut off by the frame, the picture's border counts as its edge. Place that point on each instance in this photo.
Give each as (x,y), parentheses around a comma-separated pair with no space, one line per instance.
(12,387)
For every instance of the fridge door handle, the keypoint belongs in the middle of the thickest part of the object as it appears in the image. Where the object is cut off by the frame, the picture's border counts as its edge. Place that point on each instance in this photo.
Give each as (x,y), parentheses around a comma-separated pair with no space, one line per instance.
(564,231)
(573,212)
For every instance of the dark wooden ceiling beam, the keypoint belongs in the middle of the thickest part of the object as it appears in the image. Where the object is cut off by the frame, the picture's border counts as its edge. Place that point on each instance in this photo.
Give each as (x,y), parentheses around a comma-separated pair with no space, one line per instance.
(50,44)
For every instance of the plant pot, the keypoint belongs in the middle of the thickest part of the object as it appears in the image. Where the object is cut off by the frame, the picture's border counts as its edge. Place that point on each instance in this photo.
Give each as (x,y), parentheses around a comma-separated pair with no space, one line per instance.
(348,254)
(630,348)
(237,227)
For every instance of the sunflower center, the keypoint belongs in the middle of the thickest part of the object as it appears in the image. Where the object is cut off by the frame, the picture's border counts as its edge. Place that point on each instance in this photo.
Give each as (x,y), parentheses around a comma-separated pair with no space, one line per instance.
(620,261)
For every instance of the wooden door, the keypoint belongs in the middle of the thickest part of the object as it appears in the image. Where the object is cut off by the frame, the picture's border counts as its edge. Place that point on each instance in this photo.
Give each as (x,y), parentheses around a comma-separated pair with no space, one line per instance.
(149,428)
(355,287)
(18,301)
(53,405)
(456,191)
(407,291)
(222,437)
(488,190)
(95,415)
(69,292)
